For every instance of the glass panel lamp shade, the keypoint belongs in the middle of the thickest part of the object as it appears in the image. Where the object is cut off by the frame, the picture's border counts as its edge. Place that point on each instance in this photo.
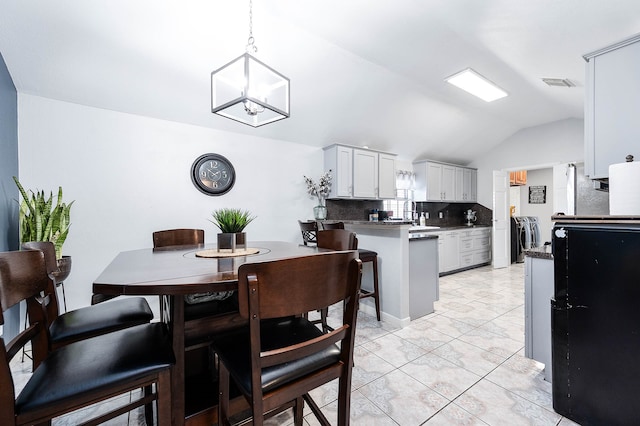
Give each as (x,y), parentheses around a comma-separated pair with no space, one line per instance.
(249,91)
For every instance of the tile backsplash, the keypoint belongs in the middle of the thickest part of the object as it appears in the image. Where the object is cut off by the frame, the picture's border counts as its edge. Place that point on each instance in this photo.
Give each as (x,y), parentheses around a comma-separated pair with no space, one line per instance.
(452,213)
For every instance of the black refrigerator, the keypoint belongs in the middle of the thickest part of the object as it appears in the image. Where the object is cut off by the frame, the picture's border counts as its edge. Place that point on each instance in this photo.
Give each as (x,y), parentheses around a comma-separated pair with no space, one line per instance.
(595,321)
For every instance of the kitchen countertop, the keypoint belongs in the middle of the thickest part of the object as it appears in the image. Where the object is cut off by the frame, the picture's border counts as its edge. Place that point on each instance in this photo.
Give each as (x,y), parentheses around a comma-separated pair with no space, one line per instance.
(543,252)
(412,227)
(450,228)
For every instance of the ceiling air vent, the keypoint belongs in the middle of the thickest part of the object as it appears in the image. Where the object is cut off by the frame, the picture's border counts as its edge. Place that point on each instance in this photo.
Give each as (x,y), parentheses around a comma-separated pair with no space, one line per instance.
(558,82)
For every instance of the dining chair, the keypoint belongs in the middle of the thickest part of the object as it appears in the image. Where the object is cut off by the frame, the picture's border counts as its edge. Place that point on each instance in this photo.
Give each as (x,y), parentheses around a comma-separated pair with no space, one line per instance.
(81,373)
(204,304)
(334,239)
(308,229)
(178,237)
(365,256)
(89,321)
(280,356)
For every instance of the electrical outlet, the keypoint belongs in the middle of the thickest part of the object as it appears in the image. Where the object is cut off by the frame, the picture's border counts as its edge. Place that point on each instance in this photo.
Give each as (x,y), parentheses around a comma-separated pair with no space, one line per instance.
(441,215)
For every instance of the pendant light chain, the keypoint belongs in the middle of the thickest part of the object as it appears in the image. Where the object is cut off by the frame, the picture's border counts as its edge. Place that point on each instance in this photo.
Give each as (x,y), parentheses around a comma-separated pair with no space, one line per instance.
(251,47)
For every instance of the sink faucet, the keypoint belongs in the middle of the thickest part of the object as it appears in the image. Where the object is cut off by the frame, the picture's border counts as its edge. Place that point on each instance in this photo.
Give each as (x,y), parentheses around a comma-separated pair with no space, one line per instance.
(409,211)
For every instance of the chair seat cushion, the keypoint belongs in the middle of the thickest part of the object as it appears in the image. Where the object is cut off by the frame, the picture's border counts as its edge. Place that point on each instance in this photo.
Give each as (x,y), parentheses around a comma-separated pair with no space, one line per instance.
(234,350)
(367,255)
(73,372)
(97,319)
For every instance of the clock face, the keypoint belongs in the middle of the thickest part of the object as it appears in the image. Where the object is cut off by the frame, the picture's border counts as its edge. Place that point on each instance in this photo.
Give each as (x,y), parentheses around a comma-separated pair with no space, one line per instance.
(213,174)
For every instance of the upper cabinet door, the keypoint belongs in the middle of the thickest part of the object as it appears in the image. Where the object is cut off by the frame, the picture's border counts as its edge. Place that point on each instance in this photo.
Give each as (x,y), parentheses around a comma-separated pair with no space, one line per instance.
(386,176)
(448,183)
(434,182)
(459,181)
(473,191)
(339,160)
(365,174)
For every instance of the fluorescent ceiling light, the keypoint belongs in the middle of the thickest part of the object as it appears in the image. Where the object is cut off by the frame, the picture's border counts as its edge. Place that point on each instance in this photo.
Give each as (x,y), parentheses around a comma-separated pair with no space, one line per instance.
(472,82)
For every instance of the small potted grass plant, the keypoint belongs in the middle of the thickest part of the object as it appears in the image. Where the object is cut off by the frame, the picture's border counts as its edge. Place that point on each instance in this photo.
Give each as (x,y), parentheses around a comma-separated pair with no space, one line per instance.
(231,223)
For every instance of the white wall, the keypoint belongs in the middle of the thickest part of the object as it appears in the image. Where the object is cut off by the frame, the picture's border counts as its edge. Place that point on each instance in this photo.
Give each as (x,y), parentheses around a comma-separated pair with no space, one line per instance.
(553,143)
(130,175)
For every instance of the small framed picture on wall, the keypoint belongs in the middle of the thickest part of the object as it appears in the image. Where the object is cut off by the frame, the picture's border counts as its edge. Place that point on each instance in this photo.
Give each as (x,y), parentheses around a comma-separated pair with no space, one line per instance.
(538,194)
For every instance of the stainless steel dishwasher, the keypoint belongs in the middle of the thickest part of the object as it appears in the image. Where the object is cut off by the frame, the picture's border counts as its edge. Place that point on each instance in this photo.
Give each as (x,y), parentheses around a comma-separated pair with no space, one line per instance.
(423,273)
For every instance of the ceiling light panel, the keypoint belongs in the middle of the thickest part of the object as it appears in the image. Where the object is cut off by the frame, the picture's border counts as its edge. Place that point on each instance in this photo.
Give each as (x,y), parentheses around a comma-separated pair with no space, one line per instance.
(472,82)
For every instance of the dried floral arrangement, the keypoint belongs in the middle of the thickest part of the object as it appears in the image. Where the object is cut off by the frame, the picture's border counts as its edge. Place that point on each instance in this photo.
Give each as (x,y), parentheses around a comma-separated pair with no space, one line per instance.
(321,189)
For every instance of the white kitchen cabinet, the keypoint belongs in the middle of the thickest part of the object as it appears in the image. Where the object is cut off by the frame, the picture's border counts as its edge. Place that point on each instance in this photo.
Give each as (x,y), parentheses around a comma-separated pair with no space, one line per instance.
(463,248)
(468,184)
(612,128)
(473,192)
(459,183)
(339,159)
(386,176)
(448,183)
(432,182)
(465,184)
(444,182)
(365,174)
(360,173)
(450,251)
(475,246)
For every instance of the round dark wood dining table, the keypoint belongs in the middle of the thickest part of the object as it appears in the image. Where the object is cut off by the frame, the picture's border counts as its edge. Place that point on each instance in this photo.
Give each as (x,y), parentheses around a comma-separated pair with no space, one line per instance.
(172,273)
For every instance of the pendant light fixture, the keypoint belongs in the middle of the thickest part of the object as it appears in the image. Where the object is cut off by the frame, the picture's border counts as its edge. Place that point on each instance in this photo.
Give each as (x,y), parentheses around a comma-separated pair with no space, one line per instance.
(249,91)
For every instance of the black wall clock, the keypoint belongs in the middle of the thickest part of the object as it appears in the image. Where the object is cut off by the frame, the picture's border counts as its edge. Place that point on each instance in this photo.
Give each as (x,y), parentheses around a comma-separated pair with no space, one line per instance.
(213,174)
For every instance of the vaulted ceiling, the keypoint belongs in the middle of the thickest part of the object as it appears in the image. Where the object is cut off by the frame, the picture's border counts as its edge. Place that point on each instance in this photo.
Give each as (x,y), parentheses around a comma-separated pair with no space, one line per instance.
(362,72)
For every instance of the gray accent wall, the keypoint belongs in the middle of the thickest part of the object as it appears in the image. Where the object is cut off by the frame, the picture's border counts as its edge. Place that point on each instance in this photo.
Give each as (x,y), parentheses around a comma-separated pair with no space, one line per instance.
(9,239)
(8,160)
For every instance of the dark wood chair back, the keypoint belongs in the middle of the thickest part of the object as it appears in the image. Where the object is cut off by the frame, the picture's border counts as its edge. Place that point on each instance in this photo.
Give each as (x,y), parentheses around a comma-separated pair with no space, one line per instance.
(49,251)
(308,229)
(365,256)
(82,373)
(332,225)
(178,237)
(202,319)
(289,356)
(337,239)
(89,321)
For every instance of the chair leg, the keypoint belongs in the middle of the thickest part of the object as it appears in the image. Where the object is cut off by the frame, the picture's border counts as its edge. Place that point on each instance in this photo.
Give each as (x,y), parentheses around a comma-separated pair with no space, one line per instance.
(324,313)
(298,411)
(64,296)
(376,291)
(344,400)
(223,395)
(163,388)
(148,408)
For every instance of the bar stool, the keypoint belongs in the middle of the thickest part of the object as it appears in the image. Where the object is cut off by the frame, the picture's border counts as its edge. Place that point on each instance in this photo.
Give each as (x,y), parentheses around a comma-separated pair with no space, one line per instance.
(365,256)
(308,229)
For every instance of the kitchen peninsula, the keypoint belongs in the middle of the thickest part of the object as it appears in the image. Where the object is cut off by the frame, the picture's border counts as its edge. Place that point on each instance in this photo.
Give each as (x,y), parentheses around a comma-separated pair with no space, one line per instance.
(408,275)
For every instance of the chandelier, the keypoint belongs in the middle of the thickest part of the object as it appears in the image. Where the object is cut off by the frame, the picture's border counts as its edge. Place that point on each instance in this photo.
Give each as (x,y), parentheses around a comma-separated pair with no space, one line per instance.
(249,91)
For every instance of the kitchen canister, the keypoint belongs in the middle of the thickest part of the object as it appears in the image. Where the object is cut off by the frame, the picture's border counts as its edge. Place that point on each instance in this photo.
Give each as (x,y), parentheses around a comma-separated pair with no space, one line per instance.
(624,188)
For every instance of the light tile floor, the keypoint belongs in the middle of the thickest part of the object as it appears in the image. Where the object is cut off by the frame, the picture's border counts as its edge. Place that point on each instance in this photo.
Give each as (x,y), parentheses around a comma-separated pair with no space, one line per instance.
(462,365)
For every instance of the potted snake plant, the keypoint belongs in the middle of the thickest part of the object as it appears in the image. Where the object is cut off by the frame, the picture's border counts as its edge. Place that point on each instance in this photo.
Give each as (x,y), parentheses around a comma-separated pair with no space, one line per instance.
(231,223)
(41,220)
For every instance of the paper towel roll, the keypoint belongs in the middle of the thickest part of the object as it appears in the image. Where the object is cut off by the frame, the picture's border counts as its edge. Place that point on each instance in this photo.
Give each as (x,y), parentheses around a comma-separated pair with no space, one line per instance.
(624,189)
